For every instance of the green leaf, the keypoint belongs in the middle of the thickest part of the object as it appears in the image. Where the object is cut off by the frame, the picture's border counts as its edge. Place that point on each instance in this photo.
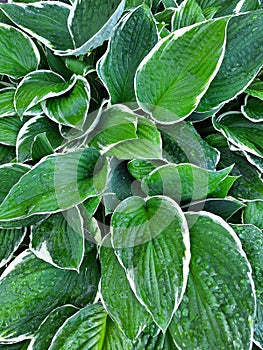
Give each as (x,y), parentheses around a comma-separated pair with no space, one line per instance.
(10,240)
(38,86)
(132,40)
(241,63)
(118,298)
(41,147)
(139,168)
(130,4)
(45,21)
(19,55)
(243,133)
(56,183)
(183,144)
(224,187)
(9,128)
(91,23)
(117,124)
(154,342)
(255,89)
(90,328)
(28,281)
(253,213)
(7,154)
(7,102)
(147,245)
(218,306)
(183,182)
(48,328)
(252,242)
(33,127)
(70,109)
(10,174)
(188,13)
(16,346)
(80,65)
(59,239)
(253,109)
(179,69)
(147,145)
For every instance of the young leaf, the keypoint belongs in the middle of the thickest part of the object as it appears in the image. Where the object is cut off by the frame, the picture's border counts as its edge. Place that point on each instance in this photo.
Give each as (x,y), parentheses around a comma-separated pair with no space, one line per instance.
(253,109)
(59,239)
(147,245)
(48,328)
(19,55)
(241,132)
(132,40)
(38,86)
(218,306)
(118,298)
(7,102)
(45,21)
(242,60)
(10,240)
(56,183)
(179,69)
(90,328)
(183,182)
(253,213)
(9,129)
(91,23)
(70,109)
(28,281)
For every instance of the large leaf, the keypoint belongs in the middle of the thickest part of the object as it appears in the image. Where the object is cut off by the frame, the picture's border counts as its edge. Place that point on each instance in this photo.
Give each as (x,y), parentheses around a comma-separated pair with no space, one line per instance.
(56,183)
(92,329)
(59,239)
(19,55)
(241,132)
(189,12)
(9,128)
(7,102)
(33,127)
(10,240)
(71,109)
(125,310)
(218,307)
(253,213)
(253,109)
(154,252)
(91,23)
(28,281)
(242,60)
(132,40)
(179,69)
(183,182)
(48,328)
(45,21)
(252,241)
(38,86)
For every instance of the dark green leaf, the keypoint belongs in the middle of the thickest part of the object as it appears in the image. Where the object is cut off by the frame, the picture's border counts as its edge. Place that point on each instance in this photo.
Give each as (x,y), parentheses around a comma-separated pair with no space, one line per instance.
(253,109)
(9,128)
(189,12)
(41,147)
(255,89)
(10,240)
(7,154)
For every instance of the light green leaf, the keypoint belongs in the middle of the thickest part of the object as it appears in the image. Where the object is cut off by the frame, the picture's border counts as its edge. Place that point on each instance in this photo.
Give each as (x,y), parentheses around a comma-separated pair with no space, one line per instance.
(147,245)
(253,213)
(38,86)
(253,109)
(45,21)
(117,124)
(218,306)
(241,63)
(130,4)
(224,187)
(118,298)
(9,129)
(41,147)
(188,13)
(10,240)
(255,89)
(148,143)
(33,127)
(70,109)
(7,102)
(56,183)
(91,23)
(179,69)
(252,241)
(19,55)
(132,40)
(28,281)
(59,239)
(48,328)
(82,65)
(241,132)
(183,182)
(90,328)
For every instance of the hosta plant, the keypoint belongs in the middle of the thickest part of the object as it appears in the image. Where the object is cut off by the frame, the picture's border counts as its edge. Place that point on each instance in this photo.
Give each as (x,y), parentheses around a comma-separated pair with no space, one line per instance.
(131,158)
